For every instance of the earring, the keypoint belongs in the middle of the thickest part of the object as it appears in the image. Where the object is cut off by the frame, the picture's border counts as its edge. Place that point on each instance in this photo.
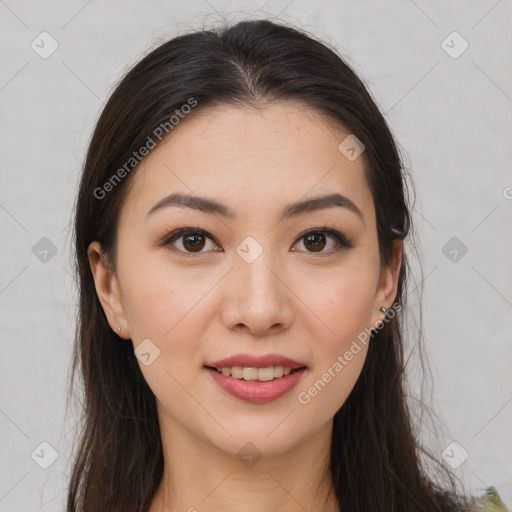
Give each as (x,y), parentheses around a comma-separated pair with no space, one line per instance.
(119,329)
(383,309)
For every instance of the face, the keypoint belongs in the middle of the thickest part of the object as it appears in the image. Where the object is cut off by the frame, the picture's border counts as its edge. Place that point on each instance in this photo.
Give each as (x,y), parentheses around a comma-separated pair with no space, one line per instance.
(248,274)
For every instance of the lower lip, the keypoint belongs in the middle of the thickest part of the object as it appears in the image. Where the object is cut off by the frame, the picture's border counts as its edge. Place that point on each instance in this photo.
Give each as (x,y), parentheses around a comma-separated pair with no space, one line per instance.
(255,391)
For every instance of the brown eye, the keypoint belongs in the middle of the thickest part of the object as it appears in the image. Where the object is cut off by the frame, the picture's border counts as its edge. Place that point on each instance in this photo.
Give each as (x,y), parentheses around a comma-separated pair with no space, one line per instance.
(317,241)
(187,241)
(193,242)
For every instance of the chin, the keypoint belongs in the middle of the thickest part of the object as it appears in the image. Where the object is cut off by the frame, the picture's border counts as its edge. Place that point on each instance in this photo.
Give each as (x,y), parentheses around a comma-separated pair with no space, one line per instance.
(265,436)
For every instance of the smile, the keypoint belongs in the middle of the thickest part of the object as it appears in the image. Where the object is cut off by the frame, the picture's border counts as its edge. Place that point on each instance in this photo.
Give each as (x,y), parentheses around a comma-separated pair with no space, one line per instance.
(256,385)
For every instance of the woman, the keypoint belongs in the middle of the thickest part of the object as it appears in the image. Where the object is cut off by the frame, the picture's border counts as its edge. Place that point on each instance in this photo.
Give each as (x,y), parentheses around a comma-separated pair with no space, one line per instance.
(240,231)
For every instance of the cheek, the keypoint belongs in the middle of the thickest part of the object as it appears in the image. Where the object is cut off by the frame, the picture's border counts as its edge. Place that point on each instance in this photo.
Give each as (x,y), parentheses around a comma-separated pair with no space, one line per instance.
(160,300)
(170,308)
(344,303)
(345,306)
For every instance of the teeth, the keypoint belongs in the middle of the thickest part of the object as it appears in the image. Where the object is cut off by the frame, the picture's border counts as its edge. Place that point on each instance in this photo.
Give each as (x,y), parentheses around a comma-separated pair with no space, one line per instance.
(236,371)
(251,373)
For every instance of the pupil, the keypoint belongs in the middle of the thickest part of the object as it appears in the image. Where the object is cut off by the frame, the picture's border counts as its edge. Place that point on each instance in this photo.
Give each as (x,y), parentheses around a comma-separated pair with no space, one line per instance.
(315,238)
(194,245)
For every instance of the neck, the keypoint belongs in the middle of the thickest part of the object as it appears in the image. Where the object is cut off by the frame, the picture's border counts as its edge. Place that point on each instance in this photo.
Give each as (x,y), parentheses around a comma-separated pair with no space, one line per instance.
(200,477)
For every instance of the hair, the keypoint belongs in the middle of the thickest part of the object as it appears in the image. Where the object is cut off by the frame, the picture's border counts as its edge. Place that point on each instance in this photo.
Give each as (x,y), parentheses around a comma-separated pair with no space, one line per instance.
(376,461)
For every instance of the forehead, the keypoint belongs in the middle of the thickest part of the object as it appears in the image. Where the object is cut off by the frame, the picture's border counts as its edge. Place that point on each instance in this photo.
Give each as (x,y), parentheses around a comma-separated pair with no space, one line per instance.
(245,156)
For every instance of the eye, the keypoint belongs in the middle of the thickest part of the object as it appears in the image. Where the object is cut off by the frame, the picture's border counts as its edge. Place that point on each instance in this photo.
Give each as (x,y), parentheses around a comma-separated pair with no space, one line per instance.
(316,240)
(189,240)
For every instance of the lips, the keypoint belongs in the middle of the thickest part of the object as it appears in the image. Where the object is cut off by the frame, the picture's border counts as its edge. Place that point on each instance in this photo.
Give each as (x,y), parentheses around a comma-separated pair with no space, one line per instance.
(254,361)
(257,392)
(286,375)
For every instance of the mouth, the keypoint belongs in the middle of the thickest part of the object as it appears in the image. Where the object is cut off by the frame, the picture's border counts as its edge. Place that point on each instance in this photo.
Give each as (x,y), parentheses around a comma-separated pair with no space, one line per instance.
(256,385)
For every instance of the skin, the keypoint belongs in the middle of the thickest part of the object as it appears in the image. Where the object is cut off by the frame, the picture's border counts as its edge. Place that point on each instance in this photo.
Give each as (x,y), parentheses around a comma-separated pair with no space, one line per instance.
(291,300)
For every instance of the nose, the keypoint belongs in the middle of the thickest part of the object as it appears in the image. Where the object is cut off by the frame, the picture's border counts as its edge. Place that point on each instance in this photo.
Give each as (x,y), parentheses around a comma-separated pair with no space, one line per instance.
(257,298)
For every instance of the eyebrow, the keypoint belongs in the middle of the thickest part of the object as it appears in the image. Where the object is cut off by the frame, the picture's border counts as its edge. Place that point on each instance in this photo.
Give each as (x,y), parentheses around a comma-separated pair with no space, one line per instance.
(213,207)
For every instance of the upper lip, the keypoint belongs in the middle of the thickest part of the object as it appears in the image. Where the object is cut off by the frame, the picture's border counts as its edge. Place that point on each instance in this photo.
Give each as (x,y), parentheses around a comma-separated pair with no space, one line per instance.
(254,361)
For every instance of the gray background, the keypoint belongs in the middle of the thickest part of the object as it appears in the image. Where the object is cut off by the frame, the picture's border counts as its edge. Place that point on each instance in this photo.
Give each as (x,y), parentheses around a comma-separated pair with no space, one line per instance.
(452,117)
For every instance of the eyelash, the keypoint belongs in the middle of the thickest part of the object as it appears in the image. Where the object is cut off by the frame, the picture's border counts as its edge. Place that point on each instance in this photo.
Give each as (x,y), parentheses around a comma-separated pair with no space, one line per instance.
(343,242)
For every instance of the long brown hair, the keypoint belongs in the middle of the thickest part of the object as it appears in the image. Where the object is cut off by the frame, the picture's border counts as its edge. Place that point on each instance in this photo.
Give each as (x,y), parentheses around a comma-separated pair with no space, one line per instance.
(377,462)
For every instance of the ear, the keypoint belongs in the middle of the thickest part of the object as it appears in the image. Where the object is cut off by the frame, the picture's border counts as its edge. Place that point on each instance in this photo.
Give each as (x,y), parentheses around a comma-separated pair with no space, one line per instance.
(107,288)
(388,283)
